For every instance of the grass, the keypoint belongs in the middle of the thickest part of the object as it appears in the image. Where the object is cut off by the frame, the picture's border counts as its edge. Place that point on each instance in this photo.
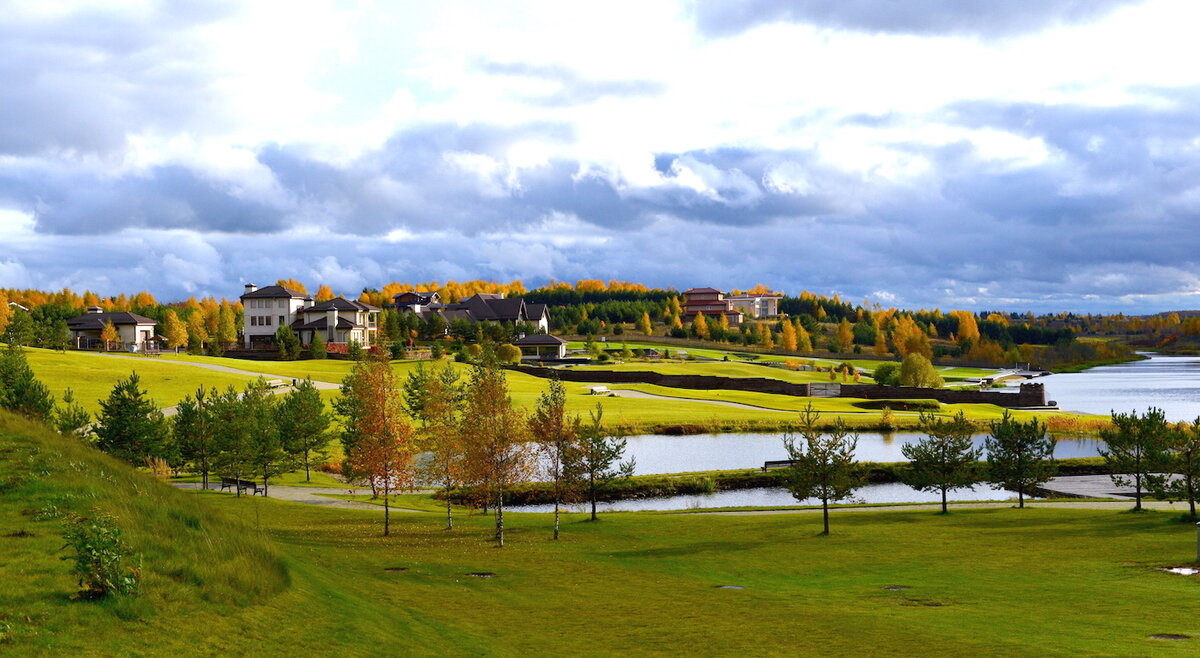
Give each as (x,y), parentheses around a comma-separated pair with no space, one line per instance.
(718,369)
(982,581)
(91,376)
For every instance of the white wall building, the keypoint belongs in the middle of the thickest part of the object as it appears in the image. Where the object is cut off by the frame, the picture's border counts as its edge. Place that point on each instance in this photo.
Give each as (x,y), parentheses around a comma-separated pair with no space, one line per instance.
(267,309)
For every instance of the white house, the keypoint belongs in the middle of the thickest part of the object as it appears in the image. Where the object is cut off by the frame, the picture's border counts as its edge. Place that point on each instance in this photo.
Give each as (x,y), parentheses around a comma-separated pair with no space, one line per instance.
(135,332)
(267,309)
(765,305)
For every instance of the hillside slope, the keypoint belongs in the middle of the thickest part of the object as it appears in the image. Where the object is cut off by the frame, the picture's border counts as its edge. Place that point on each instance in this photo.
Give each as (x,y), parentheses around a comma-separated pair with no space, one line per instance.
(192,556)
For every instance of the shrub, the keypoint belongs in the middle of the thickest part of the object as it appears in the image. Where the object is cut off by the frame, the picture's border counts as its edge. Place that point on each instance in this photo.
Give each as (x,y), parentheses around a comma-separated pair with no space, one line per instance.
(101,557)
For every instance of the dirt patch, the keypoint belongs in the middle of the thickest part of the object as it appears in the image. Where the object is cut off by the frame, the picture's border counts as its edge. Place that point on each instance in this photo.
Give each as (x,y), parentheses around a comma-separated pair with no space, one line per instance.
(395,569)
(482,574)
(896,587)
(1170,636)
(21,534)
(730,587)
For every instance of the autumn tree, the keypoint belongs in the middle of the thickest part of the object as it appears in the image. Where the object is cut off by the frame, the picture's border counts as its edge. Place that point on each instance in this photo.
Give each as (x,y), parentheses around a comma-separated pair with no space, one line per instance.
(557,438)
(304,427)
(803,339)
(644,326)
(598,461)
(194,432)
(109,335)
(377,438)
(1135,450)
(130,426)
(197,332)
(226,329)
(175,330)
(823,465)
(493,433)
(916,370)
(1020,455)
(845,336)
(509,354)
(700,326)
(293,284)
(324,294)
(943,460)
(968,327)
(441,434)
(787,337)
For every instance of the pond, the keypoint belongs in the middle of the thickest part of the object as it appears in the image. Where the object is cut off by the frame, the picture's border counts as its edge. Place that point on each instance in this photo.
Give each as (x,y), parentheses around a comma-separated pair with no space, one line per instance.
(657,453)
(1171,383)
(771,497)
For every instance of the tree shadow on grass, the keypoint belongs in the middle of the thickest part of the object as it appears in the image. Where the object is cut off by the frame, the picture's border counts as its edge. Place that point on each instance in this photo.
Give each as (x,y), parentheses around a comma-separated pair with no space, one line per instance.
(688,549)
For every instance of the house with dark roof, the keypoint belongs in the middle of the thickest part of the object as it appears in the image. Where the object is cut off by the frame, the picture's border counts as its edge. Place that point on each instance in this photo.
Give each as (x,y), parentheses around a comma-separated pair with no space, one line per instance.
(484,307)
(710,303)
(266,309)
(541,347)
(413,301)
(136,332)
(338,320)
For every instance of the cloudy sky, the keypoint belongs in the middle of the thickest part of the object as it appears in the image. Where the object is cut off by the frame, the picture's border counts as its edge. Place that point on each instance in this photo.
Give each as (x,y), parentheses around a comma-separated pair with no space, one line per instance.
(1025,154)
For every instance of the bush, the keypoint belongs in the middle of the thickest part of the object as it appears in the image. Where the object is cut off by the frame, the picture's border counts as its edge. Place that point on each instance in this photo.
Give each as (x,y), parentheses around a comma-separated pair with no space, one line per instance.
(101,557)
(887,374)
(507,353)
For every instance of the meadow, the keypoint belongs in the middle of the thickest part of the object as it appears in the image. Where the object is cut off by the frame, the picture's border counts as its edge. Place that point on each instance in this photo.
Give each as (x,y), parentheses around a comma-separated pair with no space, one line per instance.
(267,577)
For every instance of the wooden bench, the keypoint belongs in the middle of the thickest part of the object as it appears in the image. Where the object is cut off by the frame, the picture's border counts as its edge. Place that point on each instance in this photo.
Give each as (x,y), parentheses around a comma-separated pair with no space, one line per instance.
(276,383)
(242,485)
(779,463)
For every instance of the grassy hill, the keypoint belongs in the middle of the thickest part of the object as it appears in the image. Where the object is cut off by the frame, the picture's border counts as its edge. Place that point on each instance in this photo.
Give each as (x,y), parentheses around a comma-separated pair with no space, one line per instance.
(264,577)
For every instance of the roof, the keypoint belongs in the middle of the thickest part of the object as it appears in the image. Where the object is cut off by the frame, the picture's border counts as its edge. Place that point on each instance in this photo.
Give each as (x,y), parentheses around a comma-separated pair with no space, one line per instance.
(423,297)
(748,296)
(98,320)
(276,292)
(702,291)
(339,304)
(539,339)
(322,323)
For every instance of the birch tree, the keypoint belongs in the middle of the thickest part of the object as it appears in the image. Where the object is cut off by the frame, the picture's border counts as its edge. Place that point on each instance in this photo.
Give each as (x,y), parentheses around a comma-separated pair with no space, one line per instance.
(494,433)
(557,438)
(823,465)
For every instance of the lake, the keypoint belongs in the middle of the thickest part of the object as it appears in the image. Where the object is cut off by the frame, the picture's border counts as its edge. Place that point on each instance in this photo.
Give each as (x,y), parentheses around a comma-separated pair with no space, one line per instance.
(1171,383)
(771,497)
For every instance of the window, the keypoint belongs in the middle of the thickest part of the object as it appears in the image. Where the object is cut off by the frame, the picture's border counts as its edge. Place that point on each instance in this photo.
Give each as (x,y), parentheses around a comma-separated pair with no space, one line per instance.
(283,303)
(281,323)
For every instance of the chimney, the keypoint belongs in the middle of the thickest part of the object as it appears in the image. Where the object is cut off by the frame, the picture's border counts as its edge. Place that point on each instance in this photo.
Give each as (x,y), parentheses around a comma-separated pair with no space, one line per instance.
(94,310)
(331,318)
(250,287)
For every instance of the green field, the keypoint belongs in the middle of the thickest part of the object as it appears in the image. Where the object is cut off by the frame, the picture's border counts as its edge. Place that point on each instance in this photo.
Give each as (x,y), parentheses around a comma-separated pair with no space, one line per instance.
(718,369)
(262,577)
(91,376)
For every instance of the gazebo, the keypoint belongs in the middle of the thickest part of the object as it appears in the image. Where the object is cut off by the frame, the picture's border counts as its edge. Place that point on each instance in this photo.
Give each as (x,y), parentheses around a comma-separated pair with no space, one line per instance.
(542,347)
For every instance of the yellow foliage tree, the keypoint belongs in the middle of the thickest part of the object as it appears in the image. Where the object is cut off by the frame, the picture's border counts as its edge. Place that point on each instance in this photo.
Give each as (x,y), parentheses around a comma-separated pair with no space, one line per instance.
(175,330)
(644,326)
(109,335)
(845,336)
(700,326)
(324,294)
(292,284)
(803,339)
(787,337)
(196,327)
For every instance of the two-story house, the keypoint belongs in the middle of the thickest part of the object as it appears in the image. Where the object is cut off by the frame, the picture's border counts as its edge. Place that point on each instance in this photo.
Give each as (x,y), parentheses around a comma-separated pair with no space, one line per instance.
(267,309)
(764,305)
(710,303)
(338,320)
(484,307)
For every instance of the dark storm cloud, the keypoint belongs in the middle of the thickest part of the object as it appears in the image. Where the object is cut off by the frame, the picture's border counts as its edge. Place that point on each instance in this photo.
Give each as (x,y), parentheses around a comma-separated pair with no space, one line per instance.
(983,18)
(571,88)
(81,80)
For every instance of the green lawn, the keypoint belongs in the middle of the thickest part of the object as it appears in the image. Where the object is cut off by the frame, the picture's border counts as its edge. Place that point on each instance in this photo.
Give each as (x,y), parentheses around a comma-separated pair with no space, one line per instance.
(91,376)
(717,369)
(254,576)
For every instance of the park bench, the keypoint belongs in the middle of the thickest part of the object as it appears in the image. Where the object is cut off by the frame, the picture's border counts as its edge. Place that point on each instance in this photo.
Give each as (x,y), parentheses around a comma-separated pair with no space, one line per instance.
(276,383)
(242,485)
(778,463)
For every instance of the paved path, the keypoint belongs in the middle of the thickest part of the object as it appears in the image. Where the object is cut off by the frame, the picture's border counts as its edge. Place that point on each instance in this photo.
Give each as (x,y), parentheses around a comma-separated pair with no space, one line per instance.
(311,496)
(642,395)
(1088,486)
(321,386)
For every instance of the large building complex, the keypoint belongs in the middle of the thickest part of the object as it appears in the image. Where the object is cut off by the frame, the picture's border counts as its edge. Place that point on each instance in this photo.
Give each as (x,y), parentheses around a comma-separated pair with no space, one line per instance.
(338,320)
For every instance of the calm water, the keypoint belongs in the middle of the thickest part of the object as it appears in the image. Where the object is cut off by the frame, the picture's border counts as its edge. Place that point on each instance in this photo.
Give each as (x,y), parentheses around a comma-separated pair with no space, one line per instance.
(1169,382)
(656,453)
(874,493)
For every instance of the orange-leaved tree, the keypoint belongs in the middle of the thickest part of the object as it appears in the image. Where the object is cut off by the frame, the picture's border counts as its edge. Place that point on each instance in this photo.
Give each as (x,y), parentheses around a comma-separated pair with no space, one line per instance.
(109,335)
(493,433)
(377,438)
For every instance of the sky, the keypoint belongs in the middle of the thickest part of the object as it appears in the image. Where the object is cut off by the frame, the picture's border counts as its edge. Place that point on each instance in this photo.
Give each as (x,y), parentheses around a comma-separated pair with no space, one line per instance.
(1022,155)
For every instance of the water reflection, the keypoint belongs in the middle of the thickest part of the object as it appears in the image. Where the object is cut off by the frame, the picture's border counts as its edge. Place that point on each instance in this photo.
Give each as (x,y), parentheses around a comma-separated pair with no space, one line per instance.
(875,493)
(657,453)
